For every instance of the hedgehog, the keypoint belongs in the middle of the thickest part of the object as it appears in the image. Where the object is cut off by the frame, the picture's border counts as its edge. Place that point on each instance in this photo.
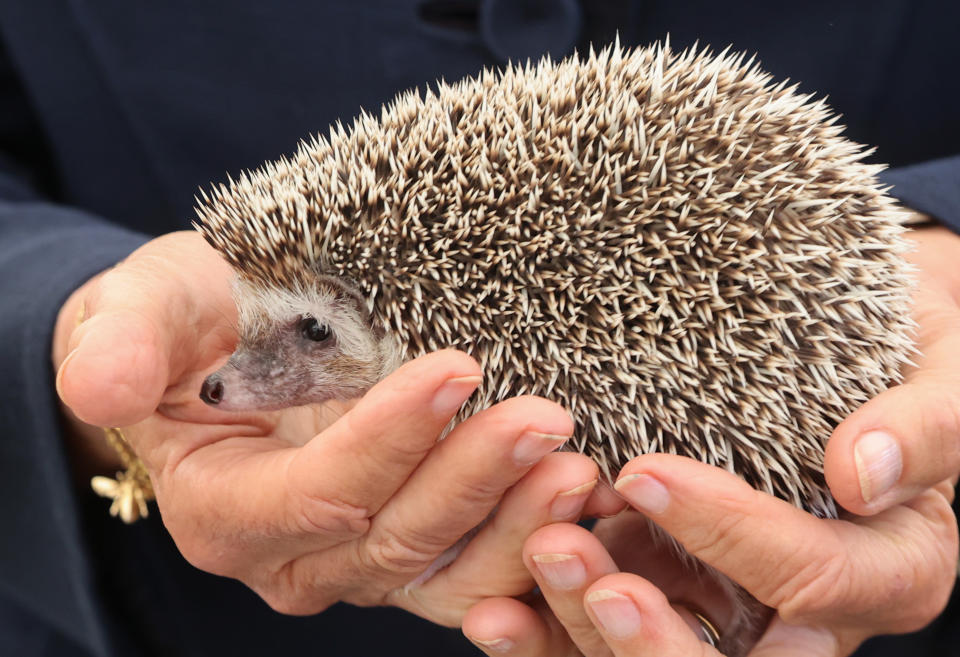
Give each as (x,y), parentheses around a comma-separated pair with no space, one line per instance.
(689,257)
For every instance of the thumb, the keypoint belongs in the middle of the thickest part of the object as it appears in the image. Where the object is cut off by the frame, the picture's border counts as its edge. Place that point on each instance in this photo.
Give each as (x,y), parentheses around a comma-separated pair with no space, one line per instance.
(895,446)
(117,369)
(149,320)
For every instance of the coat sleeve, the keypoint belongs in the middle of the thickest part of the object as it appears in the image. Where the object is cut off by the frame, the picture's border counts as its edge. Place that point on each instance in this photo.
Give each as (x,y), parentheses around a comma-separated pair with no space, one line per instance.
(930,187)
(46,251)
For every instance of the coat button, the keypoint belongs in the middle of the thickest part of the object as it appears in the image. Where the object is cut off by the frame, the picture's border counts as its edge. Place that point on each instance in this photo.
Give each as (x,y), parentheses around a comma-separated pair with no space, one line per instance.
(519,29)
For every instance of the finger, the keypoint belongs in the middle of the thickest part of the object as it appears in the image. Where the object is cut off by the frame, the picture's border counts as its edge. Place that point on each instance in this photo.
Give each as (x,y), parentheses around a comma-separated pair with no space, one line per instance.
(117,373)
(362,459)
(899,443)
(145,322)
(464,478)
(565,560)
(309,498)
(752,537)
(791,561)
(479,460)
(505,626)
(636,620)
(452,492)
(604,502)
(492,563)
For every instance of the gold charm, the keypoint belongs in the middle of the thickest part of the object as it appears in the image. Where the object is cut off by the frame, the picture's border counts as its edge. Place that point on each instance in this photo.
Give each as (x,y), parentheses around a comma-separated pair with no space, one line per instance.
(132,488)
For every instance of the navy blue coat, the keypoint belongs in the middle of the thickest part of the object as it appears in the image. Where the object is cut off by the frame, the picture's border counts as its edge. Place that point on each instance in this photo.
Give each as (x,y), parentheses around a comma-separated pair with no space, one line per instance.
(113,113)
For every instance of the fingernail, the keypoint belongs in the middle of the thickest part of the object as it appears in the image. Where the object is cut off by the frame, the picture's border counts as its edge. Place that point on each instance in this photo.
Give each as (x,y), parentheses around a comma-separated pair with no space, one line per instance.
(644,493)
(569,503)
(879,463)
(533,445)
(63,368)
(495,645)
(563,572)
(451,395)
(617,614)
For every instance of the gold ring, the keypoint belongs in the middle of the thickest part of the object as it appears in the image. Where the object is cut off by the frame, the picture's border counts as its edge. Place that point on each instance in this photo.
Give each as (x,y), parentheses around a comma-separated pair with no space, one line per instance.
(709,630)
(82,313)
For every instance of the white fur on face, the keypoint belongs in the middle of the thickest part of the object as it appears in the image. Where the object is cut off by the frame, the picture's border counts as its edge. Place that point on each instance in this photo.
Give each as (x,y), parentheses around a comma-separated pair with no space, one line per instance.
(276,366)
(262,310)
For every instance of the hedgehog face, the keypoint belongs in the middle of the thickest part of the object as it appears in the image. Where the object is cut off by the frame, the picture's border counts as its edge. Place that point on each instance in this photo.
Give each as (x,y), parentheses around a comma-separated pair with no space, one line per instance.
(299,347)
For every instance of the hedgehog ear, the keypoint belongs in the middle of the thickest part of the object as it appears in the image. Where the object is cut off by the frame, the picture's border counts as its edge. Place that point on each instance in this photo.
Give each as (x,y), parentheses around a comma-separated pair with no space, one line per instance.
(349,290)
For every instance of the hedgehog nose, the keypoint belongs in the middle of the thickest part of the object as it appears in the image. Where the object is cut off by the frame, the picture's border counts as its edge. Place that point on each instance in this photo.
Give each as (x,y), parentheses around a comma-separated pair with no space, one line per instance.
(212,390)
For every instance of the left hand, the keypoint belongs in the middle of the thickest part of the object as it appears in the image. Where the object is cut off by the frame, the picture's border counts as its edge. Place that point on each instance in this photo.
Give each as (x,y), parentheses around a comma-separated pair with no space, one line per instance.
(314,505)
(834,583)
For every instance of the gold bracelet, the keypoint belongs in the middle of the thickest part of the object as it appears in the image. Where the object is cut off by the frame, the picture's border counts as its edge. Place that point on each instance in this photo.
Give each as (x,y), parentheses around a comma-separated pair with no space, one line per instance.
(132,488)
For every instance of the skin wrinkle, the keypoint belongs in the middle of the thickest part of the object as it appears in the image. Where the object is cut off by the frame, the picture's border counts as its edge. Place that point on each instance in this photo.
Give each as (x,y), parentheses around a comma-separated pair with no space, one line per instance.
(928,505)
(815,587)
(173,458)
(725,524)
(354,521)
(391,552)
(936,429)
(215,524)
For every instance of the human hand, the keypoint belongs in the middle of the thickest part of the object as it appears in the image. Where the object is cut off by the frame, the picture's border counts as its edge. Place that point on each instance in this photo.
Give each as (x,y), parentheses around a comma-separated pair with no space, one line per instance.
(833,583)
(310,506)
(907,439)
(904,481)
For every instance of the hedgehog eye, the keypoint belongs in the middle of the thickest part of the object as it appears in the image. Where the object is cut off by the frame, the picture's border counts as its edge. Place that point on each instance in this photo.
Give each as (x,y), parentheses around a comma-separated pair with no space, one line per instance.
(311,329)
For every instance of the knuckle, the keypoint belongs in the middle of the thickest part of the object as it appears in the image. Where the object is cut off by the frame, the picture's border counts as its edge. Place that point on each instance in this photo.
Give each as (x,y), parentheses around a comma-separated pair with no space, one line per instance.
(905,598)
(473,493)
(950,433)
(332,518)
(286,592)
(940,429)
(814,589)
(317,513)
(933,577)
(400,552)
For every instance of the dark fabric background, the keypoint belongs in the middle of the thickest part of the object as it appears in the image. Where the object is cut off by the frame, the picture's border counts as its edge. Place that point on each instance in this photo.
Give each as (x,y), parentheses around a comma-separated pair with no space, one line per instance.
(113,113)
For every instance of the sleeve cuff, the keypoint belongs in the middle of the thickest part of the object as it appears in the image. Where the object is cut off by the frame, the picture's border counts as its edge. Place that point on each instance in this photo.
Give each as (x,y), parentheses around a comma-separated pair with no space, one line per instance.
(930,187)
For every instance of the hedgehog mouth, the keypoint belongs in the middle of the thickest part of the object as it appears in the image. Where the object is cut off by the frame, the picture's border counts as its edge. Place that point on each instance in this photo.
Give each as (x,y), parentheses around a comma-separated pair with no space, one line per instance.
(252,380)
(229,392)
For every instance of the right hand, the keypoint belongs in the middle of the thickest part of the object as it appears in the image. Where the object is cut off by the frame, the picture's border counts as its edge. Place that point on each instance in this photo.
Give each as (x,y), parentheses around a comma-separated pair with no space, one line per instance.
(305,508)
